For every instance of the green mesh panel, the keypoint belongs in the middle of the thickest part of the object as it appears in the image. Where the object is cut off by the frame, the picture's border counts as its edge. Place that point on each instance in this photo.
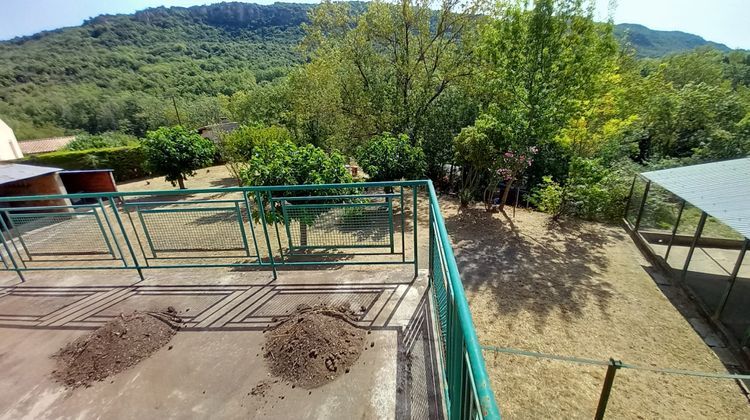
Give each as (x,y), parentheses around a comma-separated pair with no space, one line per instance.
(60,233)
(194,229)
(339,226)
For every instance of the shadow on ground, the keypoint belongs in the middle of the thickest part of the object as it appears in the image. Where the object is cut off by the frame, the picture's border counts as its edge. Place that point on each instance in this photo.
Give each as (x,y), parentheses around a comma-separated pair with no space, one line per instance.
(538,266)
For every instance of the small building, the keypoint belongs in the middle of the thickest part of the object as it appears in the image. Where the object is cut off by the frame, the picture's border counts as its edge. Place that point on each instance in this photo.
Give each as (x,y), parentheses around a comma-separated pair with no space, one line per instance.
(17,179)
(213,132)
(9,149)
(52,144)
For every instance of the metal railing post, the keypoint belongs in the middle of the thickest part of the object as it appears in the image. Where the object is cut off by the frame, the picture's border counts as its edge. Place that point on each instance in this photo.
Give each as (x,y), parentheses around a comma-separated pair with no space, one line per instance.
(643,206)
(125,237)
(674,230)
(262,212)
(630,197)
(7,249)
(698,232)
(609,379)
(732,279)
(414,228)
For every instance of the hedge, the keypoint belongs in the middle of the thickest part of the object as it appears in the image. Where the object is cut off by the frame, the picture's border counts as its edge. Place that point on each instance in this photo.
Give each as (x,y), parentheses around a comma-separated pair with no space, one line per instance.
(127,162)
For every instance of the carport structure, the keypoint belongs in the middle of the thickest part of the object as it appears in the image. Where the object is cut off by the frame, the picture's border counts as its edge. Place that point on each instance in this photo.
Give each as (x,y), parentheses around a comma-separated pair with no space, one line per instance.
(695,223)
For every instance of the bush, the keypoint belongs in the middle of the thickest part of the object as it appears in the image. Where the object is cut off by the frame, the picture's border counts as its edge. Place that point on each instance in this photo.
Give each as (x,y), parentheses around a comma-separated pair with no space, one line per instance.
(238,145)
(391,158)
(126,162)
(283,163)
(548,197)
(101,141)
(236,148)
(592,191)
(177,153)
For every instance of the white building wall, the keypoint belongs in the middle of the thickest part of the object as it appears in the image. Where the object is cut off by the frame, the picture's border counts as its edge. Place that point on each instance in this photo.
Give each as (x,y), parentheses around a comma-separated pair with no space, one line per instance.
(9,149)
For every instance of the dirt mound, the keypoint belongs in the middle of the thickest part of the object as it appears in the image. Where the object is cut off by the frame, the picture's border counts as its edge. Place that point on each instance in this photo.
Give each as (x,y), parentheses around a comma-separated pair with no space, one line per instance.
(114,347)
(314,345)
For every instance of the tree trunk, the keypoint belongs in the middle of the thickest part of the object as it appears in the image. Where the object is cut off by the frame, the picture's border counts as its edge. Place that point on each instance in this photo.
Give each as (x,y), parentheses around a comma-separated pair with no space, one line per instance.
(506,191)
(181,182)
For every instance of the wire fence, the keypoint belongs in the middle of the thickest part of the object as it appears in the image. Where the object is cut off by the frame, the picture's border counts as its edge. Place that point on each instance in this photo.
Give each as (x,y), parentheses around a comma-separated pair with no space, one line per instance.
(612,367)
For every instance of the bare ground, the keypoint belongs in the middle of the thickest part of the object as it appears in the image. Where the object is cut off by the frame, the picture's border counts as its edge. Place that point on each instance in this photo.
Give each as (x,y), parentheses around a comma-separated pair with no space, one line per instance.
(579,289)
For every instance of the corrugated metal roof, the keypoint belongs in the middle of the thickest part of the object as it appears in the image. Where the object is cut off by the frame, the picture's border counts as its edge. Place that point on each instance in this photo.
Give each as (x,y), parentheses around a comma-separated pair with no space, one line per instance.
(53,144)
(721,189)
(12,172)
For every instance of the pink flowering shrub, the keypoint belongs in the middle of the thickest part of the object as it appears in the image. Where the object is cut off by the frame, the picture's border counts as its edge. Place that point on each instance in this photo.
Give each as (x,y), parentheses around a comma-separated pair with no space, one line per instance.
(509,167)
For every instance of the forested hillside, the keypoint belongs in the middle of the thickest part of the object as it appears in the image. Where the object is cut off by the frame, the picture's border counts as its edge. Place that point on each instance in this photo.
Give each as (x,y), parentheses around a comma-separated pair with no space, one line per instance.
(651,43)
(120,72)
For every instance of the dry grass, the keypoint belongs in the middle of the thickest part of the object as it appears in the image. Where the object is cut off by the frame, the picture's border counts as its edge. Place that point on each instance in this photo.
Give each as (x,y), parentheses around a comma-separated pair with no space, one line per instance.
(579,289)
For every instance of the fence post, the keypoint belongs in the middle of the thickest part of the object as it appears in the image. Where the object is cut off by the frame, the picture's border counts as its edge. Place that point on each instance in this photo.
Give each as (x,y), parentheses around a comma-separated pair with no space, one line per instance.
(414,217)
(732,279)
(262,212)
(674,230)
(125,236)
(7,248)
(630,198)
(698,233)
(609,379)
(643,206)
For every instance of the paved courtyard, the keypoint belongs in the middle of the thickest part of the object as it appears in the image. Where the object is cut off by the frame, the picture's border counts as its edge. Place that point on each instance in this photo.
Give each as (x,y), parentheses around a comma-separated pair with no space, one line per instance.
(211,366)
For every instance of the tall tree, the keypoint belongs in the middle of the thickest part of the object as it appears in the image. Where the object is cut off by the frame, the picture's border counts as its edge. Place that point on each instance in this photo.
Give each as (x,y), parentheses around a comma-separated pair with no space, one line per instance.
(385,68)
(541,62)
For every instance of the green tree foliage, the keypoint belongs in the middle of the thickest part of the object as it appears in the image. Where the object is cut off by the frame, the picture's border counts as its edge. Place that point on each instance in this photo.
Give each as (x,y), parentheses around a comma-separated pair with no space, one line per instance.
(101,141)
(378,71)
(236,148)
(390,158)
(284,163)
(177,152)
(540,66)
(120,72)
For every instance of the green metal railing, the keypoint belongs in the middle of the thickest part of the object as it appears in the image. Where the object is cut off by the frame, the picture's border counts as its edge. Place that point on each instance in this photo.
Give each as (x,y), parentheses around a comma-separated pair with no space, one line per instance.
(259,227)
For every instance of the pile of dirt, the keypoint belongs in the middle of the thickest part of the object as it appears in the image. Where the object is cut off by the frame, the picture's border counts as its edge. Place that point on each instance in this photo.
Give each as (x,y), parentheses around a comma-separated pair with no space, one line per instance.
(114,347)
(314,345)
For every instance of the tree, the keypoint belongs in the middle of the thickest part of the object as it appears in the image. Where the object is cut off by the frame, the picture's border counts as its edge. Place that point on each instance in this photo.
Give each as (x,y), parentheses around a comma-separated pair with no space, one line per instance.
(390,158)
(177,153)
(283,163)
(540,66)
(384,69)
(236,147)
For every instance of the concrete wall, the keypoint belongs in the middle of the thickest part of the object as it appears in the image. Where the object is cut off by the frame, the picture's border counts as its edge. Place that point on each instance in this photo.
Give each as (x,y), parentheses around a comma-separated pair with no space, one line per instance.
(9,149)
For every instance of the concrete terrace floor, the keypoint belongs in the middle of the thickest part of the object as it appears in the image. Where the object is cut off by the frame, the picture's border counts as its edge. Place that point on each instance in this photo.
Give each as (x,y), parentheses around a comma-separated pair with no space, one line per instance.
(210,367)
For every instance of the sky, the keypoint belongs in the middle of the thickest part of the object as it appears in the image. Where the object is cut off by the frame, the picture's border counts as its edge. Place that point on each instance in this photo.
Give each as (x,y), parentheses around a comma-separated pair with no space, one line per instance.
(724,21)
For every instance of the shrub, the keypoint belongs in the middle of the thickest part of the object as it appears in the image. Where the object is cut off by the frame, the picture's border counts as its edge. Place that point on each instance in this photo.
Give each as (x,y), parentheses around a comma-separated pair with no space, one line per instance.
(592,191)
(548,196)
(101,141)
(284,163)
(389,158)
(177,152)
(236,148)
(126,162)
